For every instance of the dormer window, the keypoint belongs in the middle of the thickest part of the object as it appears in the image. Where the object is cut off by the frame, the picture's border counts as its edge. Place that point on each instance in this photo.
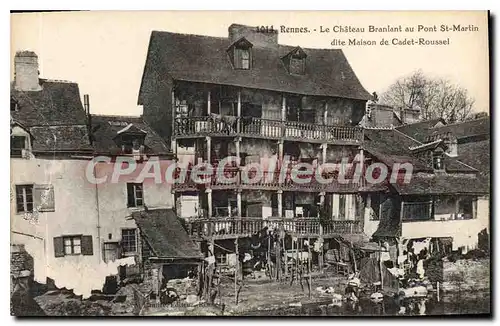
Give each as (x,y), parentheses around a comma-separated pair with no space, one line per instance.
(451,146)
(438,160)
(131,140)
(240,53)
(296,61)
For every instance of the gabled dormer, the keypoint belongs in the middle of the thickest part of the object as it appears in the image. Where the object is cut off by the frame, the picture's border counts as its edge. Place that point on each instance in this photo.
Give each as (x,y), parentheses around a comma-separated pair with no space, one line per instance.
(432,152)
(240,54)
(295,61)
(131,139)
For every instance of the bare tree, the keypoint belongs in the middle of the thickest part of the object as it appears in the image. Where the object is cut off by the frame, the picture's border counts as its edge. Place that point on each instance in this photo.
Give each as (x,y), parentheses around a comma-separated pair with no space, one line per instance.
(435,98)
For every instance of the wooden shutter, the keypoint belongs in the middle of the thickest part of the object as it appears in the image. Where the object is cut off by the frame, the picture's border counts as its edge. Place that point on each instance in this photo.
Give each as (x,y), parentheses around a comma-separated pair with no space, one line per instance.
(130,195)
(237,58)
(58,247)
(43,196)
(87,248)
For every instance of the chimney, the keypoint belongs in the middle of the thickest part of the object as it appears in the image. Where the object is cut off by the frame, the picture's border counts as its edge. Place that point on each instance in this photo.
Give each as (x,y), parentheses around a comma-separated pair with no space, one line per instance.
(259,38)
(402,115)
(86,106)
(26,71)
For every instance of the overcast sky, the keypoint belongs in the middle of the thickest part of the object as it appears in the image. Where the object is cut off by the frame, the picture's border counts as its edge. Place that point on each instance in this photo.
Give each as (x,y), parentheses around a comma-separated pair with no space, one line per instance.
(104,52)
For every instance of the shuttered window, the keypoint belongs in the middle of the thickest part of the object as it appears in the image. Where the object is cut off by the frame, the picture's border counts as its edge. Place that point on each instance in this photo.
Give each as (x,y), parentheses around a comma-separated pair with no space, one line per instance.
(73,245)
(135,195)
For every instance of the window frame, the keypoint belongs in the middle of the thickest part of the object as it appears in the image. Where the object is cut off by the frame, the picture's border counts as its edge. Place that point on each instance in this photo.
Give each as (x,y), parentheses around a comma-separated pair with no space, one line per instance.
(296,62)
(23,187)
(72,245)
(136,188)
(12,148)
(239,58)
(125,239)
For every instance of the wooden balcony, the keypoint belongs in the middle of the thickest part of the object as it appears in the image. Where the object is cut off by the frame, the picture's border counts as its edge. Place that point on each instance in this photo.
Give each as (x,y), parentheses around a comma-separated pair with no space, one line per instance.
(198,126)
(230,228)
(234,179)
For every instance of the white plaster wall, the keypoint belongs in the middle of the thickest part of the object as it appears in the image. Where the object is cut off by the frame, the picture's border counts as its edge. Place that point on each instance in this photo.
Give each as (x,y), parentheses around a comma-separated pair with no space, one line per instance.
(75,214)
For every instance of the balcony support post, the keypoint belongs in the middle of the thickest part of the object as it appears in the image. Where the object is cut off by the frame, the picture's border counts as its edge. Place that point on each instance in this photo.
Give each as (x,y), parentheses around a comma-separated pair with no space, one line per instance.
(283,115)
(325,118)
(238,113)
(173,117)
(238,202)
(368,205)
(324,147)
(280,153)
(209,149)
(280,203)
(208,104)
(209,202)
(237,141)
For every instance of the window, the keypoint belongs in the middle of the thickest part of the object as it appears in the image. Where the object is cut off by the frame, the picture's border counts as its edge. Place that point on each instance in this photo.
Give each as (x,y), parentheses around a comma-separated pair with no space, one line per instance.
(221,259)
(243,58)
(134,195)
(17,145)
(24,199)
(297,66)
(129,240)
(69,245)
(72,245)
(437,161)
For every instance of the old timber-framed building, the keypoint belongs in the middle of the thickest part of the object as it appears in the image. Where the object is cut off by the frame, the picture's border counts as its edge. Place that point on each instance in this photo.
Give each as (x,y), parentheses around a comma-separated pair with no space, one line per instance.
(249,97)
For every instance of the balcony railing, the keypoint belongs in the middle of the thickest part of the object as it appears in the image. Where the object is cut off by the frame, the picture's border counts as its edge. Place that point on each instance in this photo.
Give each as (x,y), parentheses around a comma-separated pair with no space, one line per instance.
(247,226)
(266,128)
(232,177)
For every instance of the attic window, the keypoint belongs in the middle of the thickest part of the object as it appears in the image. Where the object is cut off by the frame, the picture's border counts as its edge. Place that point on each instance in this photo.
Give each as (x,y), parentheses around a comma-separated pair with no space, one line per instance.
(242,59)
(297,65)
(241,54)
(437,161)
(295,60)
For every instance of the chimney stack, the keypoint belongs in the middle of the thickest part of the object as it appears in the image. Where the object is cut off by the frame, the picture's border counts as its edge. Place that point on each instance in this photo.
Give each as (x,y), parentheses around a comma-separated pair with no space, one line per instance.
(26,71)
(266,38)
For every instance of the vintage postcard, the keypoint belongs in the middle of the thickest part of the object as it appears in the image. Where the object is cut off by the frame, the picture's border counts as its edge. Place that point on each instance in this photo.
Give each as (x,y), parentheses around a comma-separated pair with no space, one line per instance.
(250,163)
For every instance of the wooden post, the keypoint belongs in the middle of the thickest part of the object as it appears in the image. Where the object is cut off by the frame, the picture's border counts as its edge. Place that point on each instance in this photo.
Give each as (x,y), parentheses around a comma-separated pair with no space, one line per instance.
(208,103)
(280,203)
(238,202)
(309,265)
(285,257)
(380,267)
(173,108)
(238,113)
(209,202)
(236,271)
(437,291)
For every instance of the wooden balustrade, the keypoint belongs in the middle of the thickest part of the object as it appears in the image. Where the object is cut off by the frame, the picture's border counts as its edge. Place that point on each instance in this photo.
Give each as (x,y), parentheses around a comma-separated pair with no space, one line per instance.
(264,128)
(223,228)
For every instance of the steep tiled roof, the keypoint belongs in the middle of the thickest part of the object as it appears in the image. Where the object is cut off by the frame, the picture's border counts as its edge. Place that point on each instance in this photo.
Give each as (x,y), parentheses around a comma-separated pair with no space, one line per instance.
(164,233)
(477,155)
(205,59)
(58,103)
(60,138)
(105,128)
(391,146)
(465,129)
(54,116)
(443,184)
(419,130)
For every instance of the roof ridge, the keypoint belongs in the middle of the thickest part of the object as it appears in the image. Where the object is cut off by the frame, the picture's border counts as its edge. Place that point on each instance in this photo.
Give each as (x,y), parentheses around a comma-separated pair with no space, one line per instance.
(425,144)
(461,122)
(116,115)
(58,81)
(407,136)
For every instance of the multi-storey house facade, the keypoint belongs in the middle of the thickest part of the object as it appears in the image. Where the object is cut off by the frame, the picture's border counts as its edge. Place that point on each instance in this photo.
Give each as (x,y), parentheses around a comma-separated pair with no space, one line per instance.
(75,219)
(446,199)
(251,98)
